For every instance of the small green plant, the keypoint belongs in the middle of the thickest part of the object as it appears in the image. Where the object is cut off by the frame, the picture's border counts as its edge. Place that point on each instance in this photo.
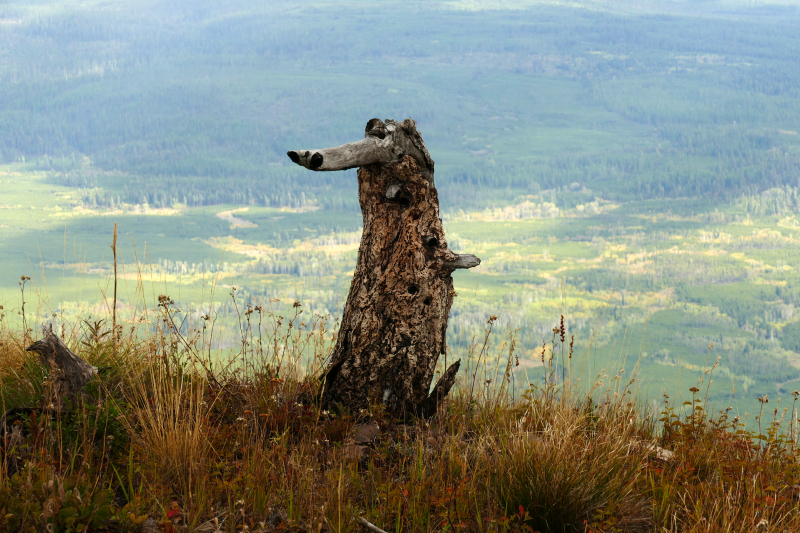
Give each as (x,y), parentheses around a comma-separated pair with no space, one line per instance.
(39,499)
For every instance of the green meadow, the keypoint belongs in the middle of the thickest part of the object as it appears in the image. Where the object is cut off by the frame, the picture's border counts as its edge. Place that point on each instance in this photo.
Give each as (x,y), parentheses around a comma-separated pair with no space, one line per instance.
(659,295)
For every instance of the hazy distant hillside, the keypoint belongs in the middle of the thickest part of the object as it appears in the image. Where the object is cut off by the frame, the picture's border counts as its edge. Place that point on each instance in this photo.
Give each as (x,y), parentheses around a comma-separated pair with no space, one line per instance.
(197,102)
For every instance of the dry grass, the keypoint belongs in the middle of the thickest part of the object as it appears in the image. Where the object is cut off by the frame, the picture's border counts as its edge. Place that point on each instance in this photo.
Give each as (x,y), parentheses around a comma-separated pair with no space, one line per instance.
(242,446)
(169,422)
(581,467)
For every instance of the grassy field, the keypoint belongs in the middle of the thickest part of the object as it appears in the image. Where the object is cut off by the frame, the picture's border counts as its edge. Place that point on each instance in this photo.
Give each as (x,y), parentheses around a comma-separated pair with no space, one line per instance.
(160,442)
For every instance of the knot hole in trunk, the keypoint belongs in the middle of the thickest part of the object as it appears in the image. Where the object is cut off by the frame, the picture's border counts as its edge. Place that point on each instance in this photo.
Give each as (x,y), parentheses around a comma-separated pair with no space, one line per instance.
(396,195)
(429,241)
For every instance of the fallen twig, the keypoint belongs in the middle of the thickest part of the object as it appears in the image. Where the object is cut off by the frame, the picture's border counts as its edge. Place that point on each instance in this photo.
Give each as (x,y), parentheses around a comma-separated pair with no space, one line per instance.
(369,526)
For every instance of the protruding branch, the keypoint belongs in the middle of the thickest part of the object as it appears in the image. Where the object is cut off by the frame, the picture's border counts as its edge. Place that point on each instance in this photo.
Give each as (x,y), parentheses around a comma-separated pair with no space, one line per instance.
(384,143)
(463,261)
(358,154)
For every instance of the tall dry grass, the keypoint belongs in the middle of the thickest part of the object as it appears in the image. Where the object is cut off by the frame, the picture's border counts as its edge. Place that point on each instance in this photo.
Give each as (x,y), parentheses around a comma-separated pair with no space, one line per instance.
(580,466)
(168,426)
(175,436)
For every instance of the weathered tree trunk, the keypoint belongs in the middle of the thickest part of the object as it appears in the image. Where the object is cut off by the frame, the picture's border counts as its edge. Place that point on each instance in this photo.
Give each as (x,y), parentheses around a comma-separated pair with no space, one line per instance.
(395,319)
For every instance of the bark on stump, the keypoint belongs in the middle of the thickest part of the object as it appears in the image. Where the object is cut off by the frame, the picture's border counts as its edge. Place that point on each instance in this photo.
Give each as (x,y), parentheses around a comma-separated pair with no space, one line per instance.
(395,320)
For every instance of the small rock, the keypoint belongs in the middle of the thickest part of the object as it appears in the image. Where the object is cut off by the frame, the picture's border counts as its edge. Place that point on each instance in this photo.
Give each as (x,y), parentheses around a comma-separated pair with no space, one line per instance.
(661,453)
(212,526)
(366,433)
(354,452)
(150,526)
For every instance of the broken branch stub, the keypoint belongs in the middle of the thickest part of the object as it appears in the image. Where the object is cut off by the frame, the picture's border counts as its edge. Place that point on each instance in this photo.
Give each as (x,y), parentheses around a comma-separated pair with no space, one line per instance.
(463,261)
(394,323)
(383,144)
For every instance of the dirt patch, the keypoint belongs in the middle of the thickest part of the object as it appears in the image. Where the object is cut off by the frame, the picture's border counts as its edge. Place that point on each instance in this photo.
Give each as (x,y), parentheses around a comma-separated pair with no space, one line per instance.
(235,221)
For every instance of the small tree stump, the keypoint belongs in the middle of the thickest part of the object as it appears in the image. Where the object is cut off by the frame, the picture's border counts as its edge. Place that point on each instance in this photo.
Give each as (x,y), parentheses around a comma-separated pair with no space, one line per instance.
(68,375)
(68,372)
(394,323)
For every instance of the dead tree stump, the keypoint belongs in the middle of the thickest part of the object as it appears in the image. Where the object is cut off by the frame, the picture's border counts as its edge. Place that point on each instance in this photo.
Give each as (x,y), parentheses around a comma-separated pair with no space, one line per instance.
(68,375)
(395,320)
(68,372)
